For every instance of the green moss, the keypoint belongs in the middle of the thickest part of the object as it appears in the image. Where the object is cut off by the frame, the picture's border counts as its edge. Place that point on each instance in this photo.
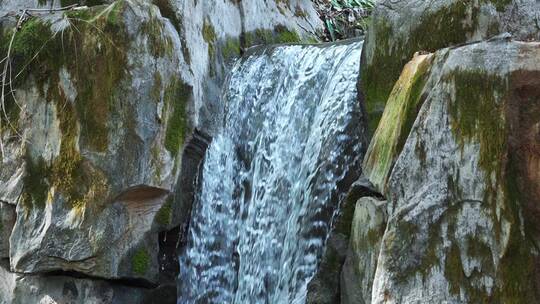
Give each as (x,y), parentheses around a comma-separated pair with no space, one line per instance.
(156,87)
(285,35)
(92,51)
(374,236)
(453,269)
(33,35)
(208,32)
(160,45)
(209,35)
(517,275)
(36,187)
(140,262)
(68,2)
(500,5)
(280,34)
(397,121)
(164,215)
(478,115)
(450,25)
(379,76)
(176,99)
(231,48)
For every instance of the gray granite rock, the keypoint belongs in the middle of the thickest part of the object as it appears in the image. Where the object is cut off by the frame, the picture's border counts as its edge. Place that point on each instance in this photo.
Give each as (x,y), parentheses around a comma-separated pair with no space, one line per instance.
(7,220)
(464,191)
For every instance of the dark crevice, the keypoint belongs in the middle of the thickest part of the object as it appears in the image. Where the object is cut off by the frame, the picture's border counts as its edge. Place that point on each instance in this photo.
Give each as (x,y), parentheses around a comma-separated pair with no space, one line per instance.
(126,282)
(173,241)
(194,154)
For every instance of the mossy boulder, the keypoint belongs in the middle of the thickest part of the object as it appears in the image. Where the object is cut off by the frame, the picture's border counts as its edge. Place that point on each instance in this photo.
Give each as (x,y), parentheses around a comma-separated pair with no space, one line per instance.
(95,147)
(463,191)
(401,28)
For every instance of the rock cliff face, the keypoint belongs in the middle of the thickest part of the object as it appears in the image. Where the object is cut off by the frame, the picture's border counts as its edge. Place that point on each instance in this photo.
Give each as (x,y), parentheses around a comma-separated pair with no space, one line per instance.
(455,155)
(108,111)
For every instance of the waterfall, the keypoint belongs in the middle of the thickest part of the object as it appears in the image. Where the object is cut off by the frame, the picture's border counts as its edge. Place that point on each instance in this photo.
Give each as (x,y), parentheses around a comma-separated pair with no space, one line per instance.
(273,177)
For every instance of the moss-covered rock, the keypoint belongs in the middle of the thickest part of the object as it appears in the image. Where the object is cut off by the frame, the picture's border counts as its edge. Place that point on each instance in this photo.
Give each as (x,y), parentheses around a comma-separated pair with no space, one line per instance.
(396,122)
(103,138)
(462,218)
(401,28)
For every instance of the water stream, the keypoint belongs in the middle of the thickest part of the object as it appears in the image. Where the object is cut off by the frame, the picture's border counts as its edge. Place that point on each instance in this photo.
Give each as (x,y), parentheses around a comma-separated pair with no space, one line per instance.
(273,177)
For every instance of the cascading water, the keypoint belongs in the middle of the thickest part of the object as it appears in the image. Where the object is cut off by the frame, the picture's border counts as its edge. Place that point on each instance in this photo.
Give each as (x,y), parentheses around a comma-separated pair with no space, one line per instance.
(273,177)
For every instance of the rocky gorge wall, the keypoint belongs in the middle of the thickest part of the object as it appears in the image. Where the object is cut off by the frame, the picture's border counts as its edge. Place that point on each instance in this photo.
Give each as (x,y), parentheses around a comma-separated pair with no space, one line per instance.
(107,113)
(447,210)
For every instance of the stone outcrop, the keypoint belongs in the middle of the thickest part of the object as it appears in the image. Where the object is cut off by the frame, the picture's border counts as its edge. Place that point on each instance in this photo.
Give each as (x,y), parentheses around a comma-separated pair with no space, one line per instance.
(98,138)
(455,153)
(457,159)
(462,191)
(113,106)
(401,28)
(329,283)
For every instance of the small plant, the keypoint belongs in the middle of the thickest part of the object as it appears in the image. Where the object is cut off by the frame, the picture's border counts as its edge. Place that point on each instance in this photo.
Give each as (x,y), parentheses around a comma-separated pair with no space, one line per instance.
(140,261)
(345,18)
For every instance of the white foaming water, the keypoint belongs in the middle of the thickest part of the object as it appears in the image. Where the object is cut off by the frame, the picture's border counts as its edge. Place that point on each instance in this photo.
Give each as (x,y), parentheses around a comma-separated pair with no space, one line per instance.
(273,177)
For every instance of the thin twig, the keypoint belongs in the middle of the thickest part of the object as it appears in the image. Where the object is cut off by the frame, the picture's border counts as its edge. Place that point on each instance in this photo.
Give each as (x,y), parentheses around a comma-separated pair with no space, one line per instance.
(4,75)
(46,10)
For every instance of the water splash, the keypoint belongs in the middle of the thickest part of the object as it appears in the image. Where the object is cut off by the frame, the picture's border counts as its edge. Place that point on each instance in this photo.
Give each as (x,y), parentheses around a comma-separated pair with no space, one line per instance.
(272,177)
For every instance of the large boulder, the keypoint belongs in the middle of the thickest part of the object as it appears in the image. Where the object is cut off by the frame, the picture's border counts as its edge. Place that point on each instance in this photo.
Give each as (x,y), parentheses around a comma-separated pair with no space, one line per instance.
(98,129)
(464,192)
(402,27)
